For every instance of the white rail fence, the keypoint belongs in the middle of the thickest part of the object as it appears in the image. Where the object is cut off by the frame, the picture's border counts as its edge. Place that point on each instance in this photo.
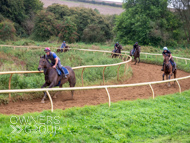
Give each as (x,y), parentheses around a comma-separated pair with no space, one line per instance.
(90,87)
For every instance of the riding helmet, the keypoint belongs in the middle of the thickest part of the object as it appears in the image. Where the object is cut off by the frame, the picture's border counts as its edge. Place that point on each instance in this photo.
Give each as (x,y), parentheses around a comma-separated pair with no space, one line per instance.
(136,43)
(165,48)
(47,49)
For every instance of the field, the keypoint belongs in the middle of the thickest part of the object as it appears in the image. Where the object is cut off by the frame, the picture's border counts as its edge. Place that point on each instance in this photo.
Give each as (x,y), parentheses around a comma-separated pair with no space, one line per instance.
(164,119)
(102,9)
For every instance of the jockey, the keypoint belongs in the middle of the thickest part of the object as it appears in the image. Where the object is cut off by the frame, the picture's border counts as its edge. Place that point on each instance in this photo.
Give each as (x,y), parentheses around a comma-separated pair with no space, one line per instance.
(134,48)
(168,53)
(63,45)
(116,46)
(55,61)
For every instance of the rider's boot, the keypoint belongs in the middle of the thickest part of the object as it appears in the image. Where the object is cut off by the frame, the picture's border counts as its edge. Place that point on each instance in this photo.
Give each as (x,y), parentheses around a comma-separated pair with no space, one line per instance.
(64,76)
(162,67)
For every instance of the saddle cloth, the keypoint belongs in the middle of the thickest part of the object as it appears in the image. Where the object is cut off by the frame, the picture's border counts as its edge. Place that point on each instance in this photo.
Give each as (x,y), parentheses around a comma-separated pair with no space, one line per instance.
(66,72)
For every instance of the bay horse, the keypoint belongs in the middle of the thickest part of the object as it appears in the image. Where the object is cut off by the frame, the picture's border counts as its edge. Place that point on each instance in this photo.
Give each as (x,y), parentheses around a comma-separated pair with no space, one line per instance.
(52,79)
(168,69)
(136,54)
(63,49)
(118,52)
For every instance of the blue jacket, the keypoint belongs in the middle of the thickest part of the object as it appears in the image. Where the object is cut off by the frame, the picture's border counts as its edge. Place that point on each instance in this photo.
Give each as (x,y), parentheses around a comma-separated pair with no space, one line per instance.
(63,45)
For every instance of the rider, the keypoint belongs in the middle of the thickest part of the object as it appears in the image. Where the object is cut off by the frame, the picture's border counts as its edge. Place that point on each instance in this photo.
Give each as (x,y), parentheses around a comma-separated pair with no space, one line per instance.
(134,48)
(63,45)
(168,53)
(55,61)
(116,46)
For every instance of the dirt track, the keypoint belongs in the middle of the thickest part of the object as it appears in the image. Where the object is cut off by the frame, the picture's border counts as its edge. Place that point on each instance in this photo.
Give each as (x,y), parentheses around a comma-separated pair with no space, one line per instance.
(141,73)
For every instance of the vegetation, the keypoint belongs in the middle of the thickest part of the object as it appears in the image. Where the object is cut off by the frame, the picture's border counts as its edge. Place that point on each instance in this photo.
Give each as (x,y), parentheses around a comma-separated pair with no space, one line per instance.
(149,22)
(21,59)
(164,119)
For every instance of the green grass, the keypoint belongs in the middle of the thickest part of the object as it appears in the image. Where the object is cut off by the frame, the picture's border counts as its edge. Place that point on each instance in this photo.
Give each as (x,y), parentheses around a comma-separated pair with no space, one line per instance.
(164,119)
(21,59)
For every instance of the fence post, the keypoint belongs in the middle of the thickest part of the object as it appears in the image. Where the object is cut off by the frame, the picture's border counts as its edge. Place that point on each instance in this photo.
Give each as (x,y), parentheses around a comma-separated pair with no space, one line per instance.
(10,86)
(152,91)
(82,76)
(186,62)
(179,86)
(108,96)
(118,72)
(51,102)
(103,74)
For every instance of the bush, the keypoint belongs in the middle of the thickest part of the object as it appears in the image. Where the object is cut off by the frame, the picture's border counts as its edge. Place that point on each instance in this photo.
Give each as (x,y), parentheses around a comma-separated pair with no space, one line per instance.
(7,30)
(67,31)
(93,34)
(45,24)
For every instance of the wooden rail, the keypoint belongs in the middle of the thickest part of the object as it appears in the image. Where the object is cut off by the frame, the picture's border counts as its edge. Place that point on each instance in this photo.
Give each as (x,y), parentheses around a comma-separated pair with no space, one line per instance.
(91,87)
(94,87)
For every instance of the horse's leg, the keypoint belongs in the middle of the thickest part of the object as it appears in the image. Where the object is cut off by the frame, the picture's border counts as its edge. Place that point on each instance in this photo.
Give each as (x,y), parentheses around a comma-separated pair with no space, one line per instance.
(163,76)
(51,85)
(135,61)
(72,83)
(139,59)
(45,95)
(167,79)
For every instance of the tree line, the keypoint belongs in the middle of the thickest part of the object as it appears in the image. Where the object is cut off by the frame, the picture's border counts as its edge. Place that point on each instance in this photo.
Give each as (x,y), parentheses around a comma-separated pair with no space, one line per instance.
(149,22)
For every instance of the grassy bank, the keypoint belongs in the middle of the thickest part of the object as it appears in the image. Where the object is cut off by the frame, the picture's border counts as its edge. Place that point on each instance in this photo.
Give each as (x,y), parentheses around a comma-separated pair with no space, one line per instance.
(21,59)
(164,119)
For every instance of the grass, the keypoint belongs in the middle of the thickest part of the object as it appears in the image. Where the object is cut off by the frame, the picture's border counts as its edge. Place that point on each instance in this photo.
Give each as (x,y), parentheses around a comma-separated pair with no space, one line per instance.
(21,59)
(164,119)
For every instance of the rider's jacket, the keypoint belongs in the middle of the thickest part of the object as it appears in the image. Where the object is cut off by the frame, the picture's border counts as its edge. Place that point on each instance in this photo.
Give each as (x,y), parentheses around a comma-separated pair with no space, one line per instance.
(135,46)
(52,57)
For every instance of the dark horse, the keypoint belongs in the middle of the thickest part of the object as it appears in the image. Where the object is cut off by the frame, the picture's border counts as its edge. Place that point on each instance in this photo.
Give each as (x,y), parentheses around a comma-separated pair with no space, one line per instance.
(117,52)
(168,69)
(64,49)
(136,54)
(52,79)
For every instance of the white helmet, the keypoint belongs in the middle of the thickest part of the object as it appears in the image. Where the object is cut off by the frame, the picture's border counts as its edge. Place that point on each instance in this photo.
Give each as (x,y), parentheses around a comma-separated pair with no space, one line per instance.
(165,48)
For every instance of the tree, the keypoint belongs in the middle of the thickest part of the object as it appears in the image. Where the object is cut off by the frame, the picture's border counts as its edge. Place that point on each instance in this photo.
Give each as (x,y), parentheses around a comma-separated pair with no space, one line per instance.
(7,30)
(93,34)
(146,21)
(67,31)
(45,26)
(182,7)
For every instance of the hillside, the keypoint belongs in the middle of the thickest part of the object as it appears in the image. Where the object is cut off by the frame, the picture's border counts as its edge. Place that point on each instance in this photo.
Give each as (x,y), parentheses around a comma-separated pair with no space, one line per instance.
(102,9)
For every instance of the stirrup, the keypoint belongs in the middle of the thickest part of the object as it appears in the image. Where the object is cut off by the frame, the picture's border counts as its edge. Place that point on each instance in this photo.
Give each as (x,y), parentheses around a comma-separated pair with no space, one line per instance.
(162,69)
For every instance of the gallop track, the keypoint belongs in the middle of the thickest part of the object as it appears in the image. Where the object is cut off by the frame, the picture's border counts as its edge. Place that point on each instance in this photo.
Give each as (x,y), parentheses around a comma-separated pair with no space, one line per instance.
(141,73)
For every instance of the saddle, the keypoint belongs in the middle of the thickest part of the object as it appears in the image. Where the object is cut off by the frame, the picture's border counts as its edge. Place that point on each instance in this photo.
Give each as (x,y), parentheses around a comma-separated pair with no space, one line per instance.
(66,72)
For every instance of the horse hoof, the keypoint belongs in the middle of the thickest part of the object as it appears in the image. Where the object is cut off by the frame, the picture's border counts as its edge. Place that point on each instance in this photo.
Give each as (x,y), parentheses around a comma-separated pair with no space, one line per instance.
(54,97)
(42,101)
(169,85)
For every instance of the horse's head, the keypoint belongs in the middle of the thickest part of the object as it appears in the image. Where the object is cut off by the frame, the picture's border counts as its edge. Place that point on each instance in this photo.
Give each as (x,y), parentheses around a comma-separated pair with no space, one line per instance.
(120,47)
(43,63)
(166,61)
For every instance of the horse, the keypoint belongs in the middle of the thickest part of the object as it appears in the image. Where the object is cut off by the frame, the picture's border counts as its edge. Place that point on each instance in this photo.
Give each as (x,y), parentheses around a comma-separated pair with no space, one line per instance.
(168,69)
(52,79)
(64,49)
(118,52)
(136,54)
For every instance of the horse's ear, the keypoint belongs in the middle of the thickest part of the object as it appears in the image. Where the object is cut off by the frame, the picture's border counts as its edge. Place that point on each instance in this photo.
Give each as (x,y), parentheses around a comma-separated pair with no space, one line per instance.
(44,56)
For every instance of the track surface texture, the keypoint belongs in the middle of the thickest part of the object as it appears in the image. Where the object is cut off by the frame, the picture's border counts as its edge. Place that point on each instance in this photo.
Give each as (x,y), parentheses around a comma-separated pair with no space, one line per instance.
(141,73)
